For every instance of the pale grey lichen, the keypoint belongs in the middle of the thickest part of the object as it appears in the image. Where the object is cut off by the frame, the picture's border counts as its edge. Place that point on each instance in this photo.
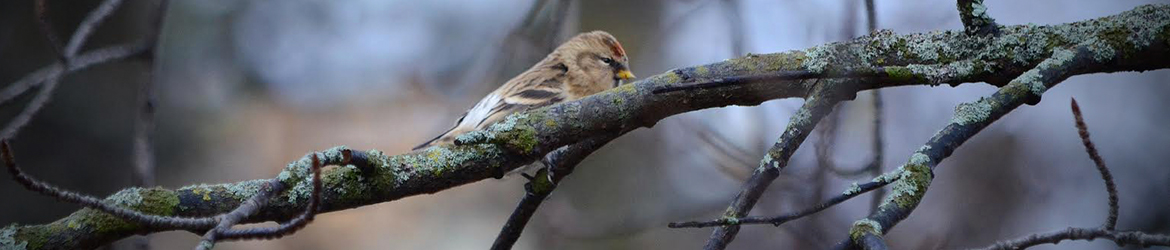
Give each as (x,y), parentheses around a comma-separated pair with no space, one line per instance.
(731,220)
(852,190)
(978,10)
(890,176)
(298,172)
(967,113)
(919,158)
(1101,51)
(767,160)
(1032,78)
(1145,25)
(8,239)
(126,197)
(246,189)
(817,58)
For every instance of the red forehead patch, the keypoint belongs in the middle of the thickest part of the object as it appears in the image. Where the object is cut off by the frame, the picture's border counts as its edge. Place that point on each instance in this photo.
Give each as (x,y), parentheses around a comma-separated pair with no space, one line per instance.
(616,47)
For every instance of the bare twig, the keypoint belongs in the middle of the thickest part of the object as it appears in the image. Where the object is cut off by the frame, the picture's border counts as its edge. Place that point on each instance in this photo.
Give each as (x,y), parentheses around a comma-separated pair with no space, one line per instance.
(46,28)
(45,95)
(83,61)
(31,109)
(854,191)
(1083,130)
(149,220)
(88,25)
(818,103)
(561,163)
(1121,238)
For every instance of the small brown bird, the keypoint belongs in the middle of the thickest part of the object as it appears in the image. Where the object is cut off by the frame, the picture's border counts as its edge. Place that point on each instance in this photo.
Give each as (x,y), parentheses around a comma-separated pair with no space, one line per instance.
(586,64)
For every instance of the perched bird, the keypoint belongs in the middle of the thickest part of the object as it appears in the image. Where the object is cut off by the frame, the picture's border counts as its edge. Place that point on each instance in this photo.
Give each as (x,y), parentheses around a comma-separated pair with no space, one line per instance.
(584,65)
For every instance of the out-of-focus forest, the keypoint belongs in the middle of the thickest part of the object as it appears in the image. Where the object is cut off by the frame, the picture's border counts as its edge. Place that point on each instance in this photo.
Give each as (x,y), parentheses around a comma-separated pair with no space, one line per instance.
(244,87)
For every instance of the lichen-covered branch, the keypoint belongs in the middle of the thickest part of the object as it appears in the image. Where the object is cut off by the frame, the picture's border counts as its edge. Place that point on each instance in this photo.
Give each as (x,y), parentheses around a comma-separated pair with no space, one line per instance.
(970,118)
(1131,41)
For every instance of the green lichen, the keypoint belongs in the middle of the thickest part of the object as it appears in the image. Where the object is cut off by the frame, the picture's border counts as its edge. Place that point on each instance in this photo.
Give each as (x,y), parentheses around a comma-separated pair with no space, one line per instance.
(626,89)
(8,239)
(155,201)
(702,71)
(245,189)
(864,226)
(515,133)
(910,187)
(347,182)
(899,73)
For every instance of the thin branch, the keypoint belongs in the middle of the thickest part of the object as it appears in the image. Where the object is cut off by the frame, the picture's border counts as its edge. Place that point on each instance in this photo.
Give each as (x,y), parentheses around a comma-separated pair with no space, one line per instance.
(969,119)
(46,28)
(559,164)
(854,191)
(88,25)
(43,97)
(1110,187)
(817,105)
(148,220)
(57,70)
(1139,239)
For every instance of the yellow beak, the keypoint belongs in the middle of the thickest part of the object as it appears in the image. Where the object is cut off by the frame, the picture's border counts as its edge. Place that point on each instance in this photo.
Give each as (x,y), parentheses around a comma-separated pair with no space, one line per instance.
(625,74)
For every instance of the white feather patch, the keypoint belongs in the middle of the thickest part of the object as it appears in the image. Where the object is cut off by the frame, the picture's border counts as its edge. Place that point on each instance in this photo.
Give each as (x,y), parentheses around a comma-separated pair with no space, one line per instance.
(481,111)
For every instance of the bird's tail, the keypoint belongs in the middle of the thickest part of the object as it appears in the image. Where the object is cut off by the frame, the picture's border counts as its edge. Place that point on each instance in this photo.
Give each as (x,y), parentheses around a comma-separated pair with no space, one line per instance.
(444,138)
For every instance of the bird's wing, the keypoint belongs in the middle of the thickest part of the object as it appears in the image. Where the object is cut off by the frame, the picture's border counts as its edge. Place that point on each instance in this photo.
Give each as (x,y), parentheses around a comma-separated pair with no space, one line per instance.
(527,91)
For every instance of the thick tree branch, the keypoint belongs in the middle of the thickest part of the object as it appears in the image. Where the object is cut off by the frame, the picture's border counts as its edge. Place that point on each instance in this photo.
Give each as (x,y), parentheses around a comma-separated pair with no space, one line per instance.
(1135,40)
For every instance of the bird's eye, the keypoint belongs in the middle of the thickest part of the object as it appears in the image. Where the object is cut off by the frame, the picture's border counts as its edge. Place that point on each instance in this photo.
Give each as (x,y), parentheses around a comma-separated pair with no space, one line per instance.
(607,60)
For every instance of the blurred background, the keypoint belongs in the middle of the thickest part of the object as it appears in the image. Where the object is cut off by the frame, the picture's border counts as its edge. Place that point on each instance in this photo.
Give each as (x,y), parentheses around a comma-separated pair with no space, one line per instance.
(244,87)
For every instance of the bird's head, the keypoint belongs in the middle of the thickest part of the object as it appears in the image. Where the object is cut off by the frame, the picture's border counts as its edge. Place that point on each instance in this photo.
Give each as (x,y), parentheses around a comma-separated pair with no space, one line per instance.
(599,56)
